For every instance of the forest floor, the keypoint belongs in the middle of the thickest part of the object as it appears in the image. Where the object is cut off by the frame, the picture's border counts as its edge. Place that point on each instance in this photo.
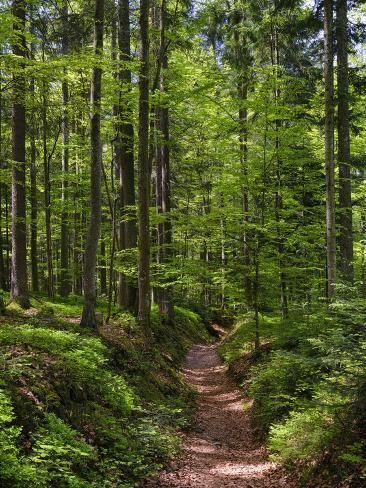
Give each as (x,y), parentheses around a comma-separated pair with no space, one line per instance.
(221,451)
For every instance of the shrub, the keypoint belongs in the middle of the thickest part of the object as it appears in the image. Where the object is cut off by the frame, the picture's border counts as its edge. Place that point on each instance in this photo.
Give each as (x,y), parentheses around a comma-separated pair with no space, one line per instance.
(60,455)
(11,470)
(303,436)
(279,384)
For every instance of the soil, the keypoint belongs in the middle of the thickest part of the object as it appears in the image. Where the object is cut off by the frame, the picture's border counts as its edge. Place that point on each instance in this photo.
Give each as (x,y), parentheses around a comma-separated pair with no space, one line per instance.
(221,451)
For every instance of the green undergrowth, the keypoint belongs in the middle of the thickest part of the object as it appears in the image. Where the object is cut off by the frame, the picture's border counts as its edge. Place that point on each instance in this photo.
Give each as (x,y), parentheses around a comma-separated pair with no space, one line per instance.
(85,410)
(308,383)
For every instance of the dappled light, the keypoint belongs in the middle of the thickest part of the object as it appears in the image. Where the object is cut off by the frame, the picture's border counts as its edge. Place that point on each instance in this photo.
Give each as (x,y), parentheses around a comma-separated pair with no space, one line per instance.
(222,451)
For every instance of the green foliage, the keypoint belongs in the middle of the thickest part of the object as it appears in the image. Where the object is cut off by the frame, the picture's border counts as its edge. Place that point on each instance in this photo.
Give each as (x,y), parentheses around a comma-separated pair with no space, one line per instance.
(12,471)
(58,454)
(241,339)
(305,435)
(308,391)
(280,384)
(80,411)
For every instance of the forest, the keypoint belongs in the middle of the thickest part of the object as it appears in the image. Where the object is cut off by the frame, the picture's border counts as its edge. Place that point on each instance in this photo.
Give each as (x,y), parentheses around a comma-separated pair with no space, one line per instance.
(182,243)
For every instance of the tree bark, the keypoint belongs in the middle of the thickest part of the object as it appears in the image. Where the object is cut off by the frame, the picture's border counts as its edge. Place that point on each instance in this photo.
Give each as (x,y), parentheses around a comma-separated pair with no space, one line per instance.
(144,173)
(278,192)
(47,196)
(127,296)
(88,318)
(103,268)
(65,283)
(243,140)
(329,149)
(19,282)
(3,278)
(33,177)
(345,197)
(163,198)
(34,205)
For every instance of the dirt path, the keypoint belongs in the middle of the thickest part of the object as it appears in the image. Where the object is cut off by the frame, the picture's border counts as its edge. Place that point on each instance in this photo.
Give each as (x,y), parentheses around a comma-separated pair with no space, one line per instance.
(221,451)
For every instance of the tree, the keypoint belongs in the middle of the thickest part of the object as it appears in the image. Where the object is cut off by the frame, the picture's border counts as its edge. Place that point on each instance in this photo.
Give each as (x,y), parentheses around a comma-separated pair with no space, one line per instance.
(19,284)
(344,160)
(163,175)
(329,148)
(88,318)
(125,156)
(65,278)
(144,171)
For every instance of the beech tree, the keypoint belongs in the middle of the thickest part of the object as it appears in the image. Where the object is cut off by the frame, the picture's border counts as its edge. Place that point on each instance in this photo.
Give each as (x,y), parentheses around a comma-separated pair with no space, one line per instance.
(163,174)
(329,148)
(125,156)
(19,283)
(88,318)
(64,244)
(344,156)
(144,171)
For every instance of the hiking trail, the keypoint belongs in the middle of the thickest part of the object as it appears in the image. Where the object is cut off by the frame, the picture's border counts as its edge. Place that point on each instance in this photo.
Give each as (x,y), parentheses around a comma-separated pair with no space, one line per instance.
(221,450)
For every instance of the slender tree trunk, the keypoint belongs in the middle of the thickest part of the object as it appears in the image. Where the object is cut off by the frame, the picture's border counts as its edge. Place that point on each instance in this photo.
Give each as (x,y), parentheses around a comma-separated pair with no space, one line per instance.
(3,278)
(345,197)
(7,239)
(88,318)
(127,295)
(2,266)
(329,148)
(163,177)
(33,177)
(256,298)
(243,139)
(65,272)
(278,193)
(19,281)
(144,173)
(34,204)
(77,280)
(363,252)
(111,262)
(47,196)
(33,174)
(103,268)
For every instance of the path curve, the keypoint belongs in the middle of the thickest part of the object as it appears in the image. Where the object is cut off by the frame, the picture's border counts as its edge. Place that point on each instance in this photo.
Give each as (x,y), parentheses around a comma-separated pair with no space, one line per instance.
(221,451)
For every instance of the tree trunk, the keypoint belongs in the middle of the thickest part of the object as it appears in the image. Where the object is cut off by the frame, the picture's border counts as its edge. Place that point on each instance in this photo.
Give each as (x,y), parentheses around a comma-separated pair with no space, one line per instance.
(345,198)
(164,233)
(34,204)
(243,139)
(2,264)
(19,282)
(278,192)
(47,196)
(127,295)
(7,240)
(33,176)
(3,278)
(144,173)
(329,148)
(88,318)
(65,272)
(103,268)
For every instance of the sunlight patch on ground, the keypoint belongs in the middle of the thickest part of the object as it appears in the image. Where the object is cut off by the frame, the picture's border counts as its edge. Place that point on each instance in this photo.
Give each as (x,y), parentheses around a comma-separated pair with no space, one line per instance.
(242,470)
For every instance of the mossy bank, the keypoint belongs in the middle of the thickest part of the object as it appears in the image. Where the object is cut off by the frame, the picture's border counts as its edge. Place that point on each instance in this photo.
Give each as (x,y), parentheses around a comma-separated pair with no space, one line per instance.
(84,410)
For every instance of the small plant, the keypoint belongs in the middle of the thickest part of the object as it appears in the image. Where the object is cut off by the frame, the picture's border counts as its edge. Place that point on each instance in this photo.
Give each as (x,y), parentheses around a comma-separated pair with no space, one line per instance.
(303,436)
